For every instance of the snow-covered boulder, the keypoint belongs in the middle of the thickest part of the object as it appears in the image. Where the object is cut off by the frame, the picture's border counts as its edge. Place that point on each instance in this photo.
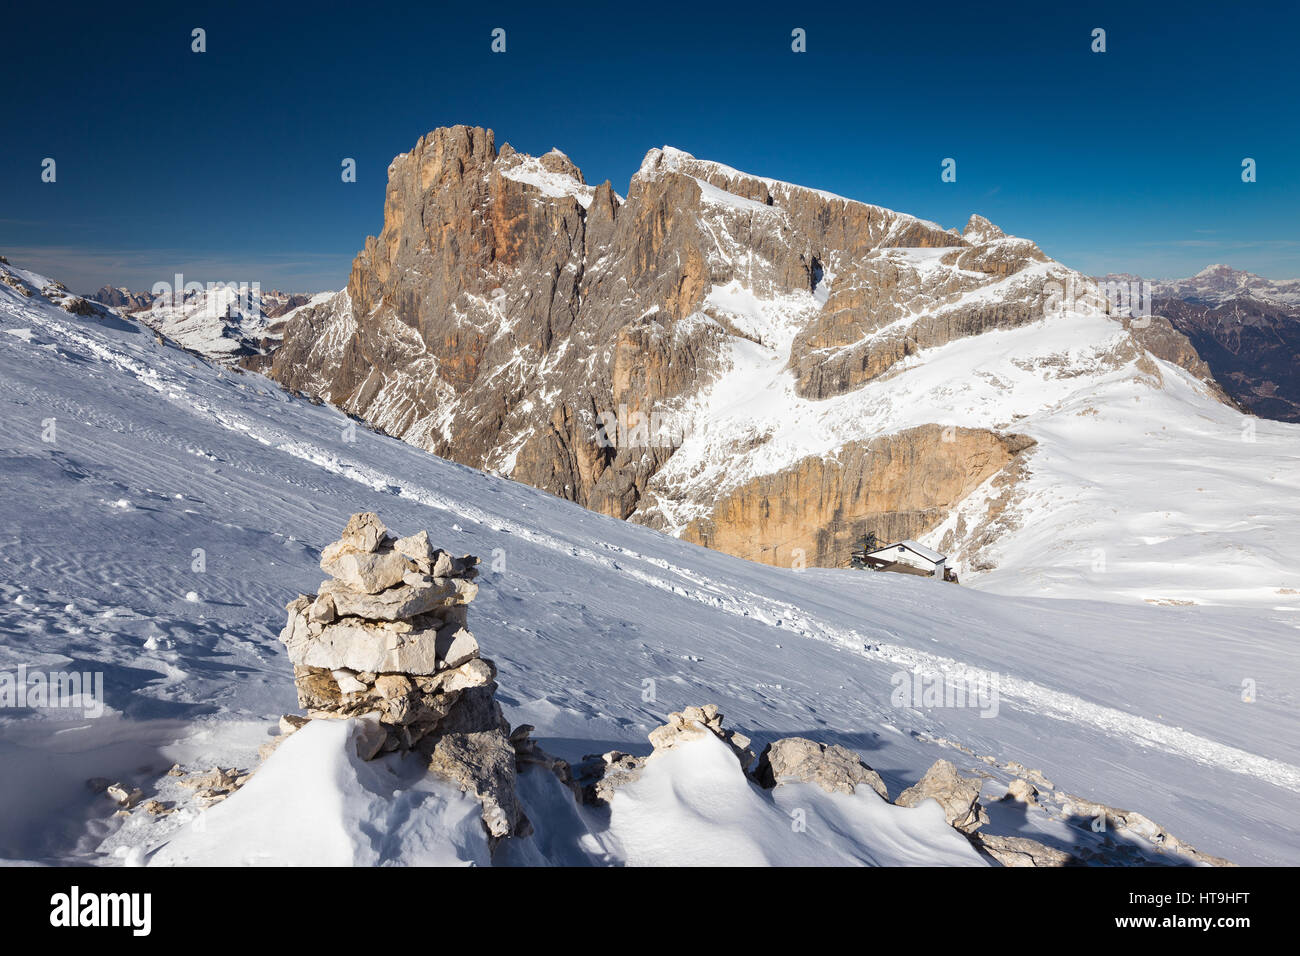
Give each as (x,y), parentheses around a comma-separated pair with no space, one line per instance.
(691,723)
(693,806)
(834,768)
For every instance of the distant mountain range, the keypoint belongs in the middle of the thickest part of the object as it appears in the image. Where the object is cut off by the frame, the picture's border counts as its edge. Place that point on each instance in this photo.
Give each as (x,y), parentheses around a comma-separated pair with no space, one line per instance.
(222,323)
(1245,327)
(1217,284)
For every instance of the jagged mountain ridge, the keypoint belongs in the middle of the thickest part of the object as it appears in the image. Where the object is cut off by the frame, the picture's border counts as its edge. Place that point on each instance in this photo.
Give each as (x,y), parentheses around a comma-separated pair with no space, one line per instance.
(1219,283)
(122,298)
(509,312)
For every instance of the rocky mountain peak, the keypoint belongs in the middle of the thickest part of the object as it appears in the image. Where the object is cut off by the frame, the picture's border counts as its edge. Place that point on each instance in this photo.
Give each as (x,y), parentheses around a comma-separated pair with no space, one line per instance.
(560,164)
(1219,269)
(122,298)
(513,318)
(978,229)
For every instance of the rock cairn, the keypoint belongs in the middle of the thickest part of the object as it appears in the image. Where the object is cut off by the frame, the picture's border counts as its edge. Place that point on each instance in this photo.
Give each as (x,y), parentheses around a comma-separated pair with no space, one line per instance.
(386,640)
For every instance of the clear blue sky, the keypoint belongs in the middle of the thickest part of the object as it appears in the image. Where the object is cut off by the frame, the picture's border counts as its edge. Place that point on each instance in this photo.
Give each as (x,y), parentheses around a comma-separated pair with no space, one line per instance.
(225,165)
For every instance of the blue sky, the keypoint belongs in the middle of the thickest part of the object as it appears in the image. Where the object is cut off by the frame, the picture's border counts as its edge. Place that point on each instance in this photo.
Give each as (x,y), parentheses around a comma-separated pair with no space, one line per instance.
(225,165)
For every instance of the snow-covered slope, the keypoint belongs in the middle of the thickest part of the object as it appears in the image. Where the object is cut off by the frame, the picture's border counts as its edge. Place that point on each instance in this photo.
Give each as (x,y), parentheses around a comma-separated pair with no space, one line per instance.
(1143,485)
(122,458)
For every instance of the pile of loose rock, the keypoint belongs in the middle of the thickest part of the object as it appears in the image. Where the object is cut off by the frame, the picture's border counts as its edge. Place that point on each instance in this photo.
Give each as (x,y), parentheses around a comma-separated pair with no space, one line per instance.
(386,640)
(793,760)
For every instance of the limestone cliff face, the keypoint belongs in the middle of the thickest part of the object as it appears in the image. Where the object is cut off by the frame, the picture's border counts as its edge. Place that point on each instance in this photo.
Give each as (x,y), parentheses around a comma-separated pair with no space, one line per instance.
(881,310)
(505,306)
(816,511)
(514,318)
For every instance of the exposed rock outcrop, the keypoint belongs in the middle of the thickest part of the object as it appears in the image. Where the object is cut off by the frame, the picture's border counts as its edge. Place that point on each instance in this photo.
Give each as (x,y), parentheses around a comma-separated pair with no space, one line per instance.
(1022,851)
(898,486)
(1107,819)
(958,795)
(834,768)
(598,776)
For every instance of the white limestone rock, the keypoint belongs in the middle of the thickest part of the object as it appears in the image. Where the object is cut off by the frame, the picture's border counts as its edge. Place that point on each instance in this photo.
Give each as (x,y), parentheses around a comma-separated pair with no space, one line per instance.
(834,768)
(348,683)
(364,532)
(958,795)
(691,723)
(413,594)
(360,645)
(365,571)
(456,646)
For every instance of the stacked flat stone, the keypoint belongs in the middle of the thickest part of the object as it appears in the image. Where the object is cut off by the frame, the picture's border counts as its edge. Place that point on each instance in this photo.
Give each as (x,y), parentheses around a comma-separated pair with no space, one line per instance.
(387,634)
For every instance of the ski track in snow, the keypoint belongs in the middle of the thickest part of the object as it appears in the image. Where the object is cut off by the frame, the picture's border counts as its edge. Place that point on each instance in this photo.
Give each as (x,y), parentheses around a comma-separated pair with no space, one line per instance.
(1034,697)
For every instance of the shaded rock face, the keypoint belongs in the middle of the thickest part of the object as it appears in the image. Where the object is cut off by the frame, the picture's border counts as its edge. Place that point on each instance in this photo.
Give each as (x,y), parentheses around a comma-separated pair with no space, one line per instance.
(899,486)
(1022,851)
(599,776)
(1251,347)
(386,641)
(508,311)
(280,303)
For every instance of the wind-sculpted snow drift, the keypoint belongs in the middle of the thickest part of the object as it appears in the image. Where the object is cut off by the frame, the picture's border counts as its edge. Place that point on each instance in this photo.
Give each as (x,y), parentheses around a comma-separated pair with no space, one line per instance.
(161,510)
